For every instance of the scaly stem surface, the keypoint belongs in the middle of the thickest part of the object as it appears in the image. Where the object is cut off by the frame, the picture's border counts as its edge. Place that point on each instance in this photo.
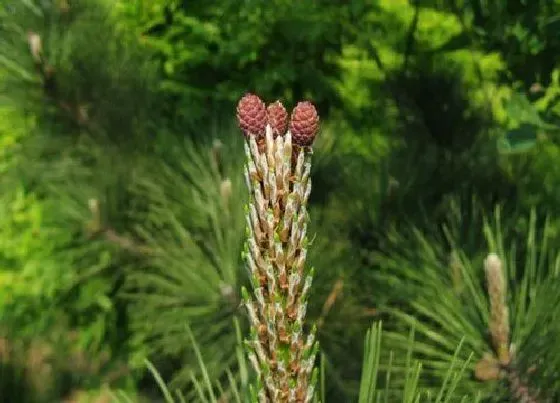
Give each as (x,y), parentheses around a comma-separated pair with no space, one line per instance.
(278,178)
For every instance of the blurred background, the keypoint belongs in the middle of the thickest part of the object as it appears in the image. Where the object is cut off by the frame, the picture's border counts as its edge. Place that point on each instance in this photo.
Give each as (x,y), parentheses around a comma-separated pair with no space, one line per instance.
(121,202)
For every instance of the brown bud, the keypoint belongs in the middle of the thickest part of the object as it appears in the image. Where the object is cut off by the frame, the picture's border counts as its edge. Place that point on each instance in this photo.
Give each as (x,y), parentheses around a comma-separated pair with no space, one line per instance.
(225,190)
(304,124)
(251,115)
(488,369)
(277,118)
(35,46)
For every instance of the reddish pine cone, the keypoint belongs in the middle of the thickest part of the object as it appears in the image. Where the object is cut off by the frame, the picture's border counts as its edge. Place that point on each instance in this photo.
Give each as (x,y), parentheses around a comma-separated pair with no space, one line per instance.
(251,115)
(277,118)
(304,124)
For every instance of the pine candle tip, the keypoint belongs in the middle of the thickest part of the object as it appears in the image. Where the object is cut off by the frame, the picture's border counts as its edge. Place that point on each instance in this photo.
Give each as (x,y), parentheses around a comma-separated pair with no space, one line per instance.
(493,263)
(252,115)
(304,124)
(276,247)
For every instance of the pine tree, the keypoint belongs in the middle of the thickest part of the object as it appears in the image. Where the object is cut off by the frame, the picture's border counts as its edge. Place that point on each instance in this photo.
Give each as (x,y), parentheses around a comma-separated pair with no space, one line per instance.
(134,225)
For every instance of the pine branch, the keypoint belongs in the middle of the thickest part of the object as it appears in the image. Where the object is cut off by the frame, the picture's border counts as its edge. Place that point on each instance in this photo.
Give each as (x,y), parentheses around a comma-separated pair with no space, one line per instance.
(277,174)
(508,325)
(190,224)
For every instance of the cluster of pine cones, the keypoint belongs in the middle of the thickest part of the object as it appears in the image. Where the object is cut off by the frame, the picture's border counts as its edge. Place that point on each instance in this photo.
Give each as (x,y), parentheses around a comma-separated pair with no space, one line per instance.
(253,116)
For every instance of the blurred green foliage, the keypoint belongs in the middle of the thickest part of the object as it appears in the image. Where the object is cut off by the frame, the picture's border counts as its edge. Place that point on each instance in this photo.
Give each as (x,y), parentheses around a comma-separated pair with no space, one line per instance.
(121,203)
(211,53)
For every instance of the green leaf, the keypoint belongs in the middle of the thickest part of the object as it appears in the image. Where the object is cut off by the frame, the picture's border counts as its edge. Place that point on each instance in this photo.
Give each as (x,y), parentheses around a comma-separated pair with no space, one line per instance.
(519,140)
(455,43)
(520,109)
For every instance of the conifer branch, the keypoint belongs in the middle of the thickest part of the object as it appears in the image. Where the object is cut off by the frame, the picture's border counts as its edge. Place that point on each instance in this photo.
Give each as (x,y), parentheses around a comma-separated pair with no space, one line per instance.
(95,227)
(78,113)
(277,174)
(503,364)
